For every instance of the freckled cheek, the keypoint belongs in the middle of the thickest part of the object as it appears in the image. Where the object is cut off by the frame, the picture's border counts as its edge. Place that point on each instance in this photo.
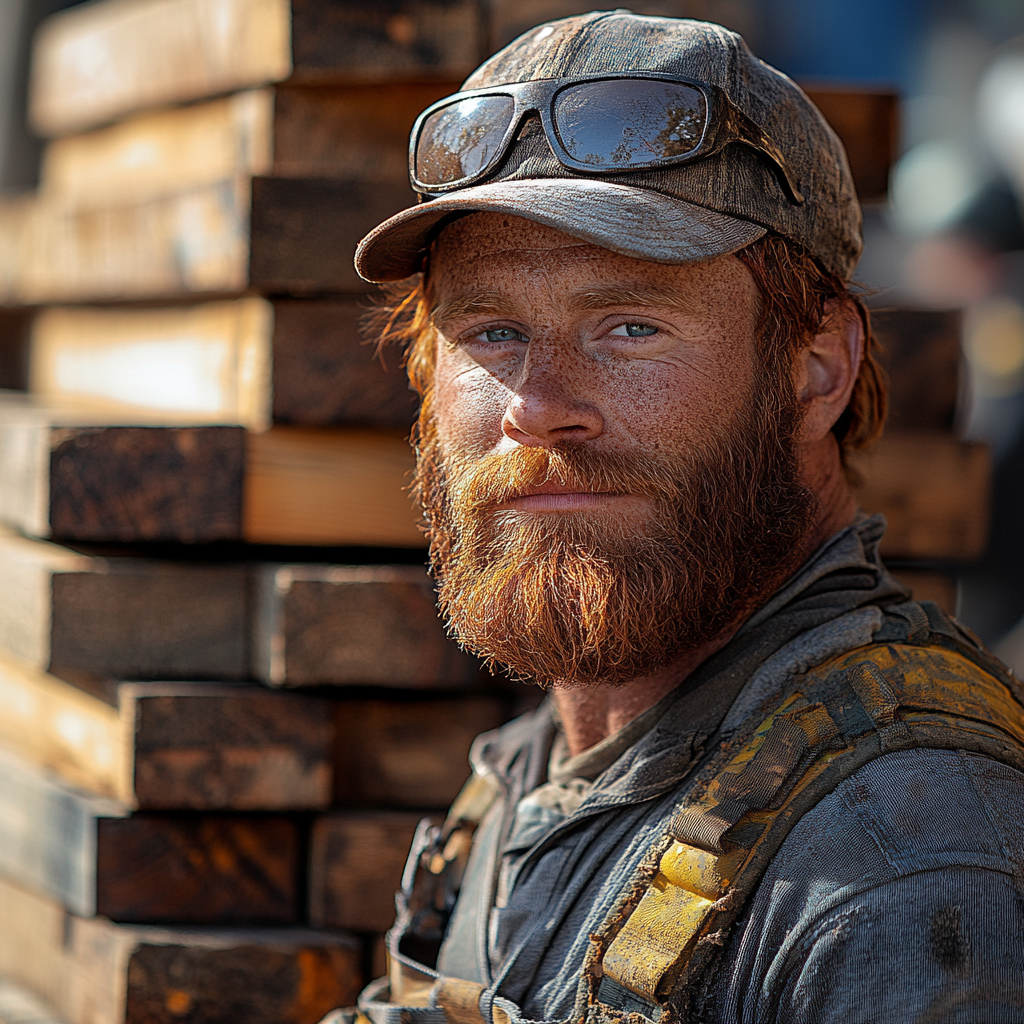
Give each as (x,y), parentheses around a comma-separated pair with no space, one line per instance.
(669,406)
(469,405)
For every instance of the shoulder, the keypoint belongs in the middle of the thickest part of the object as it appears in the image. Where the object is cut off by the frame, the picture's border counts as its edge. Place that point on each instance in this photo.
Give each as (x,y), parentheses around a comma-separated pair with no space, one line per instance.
(899,893)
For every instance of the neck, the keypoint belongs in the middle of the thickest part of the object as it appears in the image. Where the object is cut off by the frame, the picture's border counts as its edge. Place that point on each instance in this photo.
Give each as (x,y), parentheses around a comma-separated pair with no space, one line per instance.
(592,713)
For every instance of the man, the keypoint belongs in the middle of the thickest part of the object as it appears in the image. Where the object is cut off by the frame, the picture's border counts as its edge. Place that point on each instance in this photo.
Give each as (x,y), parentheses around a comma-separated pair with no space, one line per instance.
(765,785)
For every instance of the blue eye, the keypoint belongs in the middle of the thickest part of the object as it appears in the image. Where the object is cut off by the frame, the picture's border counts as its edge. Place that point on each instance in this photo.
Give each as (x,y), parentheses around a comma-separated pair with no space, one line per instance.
(634,330)
(498,334)
(640,330)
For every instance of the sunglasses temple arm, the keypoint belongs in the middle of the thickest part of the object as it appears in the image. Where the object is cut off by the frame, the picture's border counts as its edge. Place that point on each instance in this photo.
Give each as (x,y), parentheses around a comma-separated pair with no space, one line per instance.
(751,133)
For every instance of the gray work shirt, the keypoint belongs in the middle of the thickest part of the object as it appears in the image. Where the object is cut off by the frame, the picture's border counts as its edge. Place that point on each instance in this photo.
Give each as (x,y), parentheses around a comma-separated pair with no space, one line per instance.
(900,897)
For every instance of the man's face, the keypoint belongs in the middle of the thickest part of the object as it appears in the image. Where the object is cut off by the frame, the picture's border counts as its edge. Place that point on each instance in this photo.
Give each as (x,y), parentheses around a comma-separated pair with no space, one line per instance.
(595,463)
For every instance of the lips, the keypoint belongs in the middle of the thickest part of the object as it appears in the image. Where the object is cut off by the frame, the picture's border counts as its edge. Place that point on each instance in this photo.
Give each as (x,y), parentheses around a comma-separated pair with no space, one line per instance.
(554,497)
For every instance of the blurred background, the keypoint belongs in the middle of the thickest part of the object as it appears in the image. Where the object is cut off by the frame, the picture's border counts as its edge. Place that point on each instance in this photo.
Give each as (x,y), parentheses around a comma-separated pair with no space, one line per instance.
(225,697)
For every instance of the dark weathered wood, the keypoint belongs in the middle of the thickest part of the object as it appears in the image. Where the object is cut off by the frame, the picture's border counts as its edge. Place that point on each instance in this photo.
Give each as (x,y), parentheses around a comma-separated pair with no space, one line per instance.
(303,231)
(95,859)
(351,625)
(173,746)
(408,753)
(70,474)
(325,372)
(15,331)
(91,971)
(921,354)
(934,491)
(208,869)
(204,747)
(355,867)
(356,132)
(121,617)
(867,122)
(94,66)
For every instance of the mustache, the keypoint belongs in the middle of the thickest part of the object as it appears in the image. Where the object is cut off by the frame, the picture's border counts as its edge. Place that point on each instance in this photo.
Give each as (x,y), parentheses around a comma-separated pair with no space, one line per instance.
(480,483)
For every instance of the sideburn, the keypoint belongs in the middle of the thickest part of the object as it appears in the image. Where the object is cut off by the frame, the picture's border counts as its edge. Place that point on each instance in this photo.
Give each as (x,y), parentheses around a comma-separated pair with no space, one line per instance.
(578,598)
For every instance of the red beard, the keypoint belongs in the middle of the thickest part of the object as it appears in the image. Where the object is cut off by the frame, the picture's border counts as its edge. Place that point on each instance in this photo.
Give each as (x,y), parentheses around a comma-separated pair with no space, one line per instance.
(593,596)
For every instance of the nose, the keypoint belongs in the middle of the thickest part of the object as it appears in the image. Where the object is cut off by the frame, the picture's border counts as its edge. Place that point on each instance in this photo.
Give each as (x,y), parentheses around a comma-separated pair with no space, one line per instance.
(543,409)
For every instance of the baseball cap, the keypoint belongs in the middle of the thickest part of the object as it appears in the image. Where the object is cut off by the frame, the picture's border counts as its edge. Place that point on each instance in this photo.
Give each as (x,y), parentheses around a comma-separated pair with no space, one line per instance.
(710,206)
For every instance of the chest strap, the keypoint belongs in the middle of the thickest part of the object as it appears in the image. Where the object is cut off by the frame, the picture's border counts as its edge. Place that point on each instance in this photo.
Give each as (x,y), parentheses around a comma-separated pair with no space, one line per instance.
(671,923)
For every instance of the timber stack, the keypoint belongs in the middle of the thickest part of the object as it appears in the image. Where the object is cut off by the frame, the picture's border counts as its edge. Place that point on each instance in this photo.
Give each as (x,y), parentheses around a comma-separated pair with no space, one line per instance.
(225,696)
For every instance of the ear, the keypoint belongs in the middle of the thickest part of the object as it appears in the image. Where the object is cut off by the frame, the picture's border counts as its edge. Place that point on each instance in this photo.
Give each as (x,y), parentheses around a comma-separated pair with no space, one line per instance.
(826,370)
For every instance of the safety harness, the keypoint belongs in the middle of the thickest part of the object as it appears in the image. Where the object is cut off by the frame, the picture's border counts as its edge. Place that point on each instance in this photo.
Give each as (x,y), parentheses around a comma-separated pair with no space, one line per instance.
(925,682)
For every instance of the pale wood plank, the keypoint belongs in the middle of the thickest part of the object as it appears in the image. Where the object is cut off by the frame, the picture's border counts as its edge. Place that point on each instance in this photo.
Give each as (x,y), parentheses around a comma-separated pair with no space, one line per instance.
(354,132)
(271,234)
(316,487)
(242,362)
(96,64)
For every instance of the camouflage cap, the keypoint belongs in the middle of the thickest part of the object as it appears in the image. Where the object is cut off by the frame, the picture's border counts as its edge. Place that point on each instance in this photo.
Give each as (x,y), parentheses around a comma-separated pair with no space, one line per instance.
(708,207)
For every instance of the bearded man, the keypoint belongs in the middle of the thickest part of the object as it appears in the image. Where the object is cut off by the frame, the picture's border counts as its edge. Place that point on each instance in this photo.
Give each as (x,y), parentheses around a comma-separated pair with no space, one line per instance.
(765,785)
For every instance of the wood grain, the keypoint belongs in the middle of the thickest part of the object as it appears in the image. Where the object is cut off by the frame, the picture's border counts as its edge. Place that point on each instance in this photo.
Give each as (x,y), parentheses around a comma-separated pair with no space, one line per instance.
(326,374)
(121,617)
(329,487)
(205,747)
(94,65)
(355,132)
(934,491)
(921,353)
(71,475)
(90,855)
(173,746)
(353,625)
(408,753)
(68,473)
(92,971)
(238,362)
(289,236)
(355,868)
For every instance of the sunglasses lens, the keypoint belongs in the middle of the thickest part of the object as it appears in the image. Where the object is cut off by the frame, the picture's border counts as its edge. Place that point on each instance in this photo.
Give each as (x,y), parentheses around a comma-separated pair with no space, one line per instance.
(629,122)
(460,140)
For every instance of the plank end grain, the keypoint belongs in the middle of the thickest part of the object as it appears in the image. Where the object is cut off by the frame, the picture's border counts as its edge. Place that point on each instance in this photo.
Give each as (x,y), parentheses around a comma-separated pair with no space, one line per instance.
(207,869)
(92,971)
(354,625)
(356,861)
(146,483)
(243,748)
(934,491)
(409,753)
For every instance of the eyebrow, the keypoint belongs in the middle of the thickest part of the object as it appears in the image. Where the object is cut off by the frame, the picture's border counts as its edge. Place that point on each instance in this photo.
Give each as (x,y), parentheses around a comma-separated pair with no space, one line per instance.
(471,305)
(606,298)
(495,304)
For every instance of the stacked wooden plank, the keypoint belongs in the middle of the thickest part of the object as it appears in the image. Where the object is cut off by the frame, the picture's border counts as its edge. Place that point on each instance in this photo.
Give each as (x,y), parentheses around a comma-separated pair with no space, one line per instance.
(225,696)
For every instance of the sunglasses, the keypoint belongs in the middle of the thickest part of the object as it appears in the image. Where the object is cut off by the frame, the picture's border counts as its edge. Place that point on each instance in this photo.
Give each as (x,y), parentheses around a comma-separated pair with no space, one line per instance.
(601,125)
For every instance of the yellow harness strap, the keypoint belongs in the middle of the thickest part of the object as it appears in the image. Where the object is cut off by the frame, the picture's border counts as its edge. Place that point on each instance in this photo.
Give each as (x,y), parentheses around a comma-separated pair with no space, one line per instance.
(671,923)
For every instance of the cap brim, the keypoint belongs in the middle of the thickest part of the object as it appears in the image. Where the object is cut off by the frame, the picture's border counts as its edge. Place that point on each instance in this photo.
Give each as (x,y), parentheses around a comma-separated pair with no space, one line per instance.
(625,219)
